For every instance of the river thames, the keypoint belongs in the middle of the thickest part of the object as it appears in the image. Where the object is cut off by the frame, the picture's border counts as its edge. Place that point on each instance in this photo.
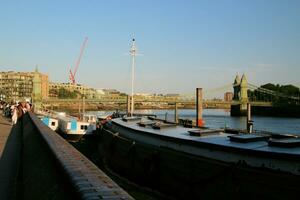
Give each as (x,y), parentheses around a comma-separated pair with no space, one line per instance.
(219,118)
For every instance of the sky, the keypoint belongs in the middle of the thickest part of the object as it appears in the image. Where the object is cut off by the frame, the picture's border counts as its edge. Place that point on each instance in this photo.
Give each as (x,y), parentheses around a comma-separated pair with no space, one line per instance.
(183,44)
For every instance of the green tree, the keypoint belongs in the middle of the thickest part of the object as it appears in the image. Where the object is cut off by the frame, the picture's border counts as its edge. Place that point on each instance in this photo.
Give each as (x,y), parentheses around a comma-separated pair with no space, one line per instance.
(66,94)
(288,90)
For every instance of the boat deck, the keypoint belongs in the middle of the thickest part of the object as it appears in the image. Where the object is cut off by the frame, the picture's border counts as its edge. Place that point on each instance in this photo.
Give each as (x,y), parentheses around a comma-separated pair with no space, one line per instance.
(217,138)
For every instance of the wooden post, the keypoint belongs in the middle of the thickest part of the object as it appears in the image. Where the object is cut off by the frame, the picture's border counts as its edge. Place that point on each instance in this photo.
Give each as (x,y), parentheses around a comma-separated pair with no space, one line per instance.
(83,104)
(248,112)
(128,105)
(199,120)
(175,113)
(249,121)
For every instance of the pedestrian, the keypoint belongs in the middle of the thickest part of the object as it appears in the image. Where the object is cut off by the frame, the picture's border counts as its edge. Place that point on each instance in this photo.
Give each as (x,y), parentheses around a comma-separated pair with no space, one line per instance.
(28,106)
(20,110)
(14,117)
(23,106)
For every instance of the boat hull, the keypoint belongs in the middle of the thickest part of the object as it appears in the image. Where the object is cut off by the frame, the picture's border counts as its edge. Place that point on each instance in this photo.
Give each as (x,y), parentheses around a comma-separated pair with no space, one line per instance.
(183,175)
(72,137)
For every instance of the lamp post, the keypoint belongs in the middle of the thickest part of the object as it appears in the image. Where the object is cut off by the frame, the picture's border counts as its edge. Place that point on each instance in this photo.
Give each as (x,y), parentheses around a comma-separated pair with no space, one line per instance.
(133,54)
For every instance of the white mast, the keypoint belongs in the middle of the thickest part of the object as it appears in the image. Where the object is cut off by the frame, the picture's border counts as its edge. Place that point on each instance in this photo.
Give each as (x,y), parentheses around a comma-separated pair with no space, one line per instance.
(133,54)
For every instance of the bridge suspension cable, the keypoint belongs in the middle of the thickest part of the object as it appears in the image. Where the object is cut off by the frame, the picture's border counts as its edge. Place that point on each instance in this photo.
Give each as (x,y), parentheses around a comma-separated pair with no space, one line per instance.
(209,91)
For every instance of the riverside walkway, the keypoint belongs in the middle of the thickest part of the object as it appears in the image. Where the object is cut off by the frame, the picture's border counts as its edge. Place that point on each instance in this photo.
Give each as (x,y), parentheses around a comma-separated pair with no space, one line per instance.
(36,163)
(9,159)
(5,128)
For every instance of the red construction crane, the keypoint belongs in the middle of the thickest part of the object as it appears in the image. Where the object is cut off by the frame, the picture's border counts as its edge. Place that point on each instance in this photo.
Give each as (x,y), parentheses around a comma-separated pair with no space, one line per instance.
(73,74)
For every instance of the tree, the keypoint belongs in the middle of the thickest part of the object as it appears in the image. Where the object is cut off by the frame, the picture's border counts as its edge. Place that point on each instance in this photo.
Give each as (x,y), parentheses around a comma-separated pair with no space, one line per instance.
(288,90)
(66,94)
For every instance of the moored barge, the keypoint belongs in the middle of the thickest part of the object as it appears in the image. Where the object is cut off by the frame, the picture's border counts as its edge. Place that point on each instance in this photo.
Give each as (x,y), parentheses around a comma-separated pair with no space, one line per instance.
(202,163)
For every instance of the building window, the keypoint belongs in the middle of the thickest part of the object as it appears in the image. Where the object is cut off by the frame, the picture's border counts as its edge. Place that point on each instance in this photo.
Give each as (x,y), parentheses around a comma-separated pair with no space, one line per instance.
(83,127)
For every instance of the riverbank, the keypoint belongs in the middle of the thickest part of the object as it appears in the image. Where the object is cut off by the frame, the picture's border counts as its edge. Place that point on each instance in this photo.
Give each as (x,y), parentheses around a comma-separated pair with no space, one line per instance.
(91,105)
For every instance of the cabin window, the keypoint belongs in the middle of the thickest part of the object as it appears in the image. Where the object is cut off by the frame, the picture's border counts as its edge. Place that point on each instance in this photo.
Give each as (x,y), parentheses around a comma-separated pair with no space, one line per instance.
(52,123)
(83,127)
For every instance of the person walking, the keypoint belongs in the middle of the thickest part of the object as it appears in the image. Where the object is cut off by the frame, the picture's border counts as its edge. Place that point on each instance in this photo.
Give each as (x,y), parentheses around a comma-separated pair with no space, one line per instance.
(14,117)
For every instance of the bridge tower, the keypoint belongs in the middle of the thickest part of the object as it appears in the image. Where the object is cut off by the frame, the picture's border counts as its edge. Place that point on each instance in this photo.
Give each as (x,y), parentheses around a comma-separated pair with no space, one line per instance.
(37,90)
(244,89)
(243,95)
(236,88)
(240,88)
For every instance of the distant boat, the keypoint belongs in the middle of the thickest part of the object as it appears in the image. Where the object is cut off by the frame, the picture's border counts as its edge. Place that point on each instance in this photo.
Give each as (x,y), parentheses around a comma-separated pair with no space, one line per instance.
(192,163)
(74,129)
(69,127)
(49,118)
(51,122)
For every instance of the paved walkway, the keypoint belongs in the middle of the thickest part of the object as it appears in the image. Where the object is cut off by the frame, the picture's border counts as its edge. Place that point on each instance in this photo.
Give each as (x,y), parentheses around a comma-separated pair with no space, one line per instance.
(5,128)
(10,158)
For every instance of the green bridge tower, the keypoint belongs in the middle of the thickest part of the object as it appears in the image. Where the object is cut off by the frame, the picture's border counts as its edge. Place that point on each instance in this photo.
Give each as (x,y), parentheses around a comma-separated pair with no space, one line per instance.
(240,94)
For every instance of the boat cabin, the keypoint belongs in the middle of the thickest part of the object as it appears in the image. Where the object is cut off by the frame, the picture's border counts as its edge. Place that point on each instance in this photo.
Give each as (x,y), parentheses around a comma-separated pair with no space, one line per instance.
(50,122)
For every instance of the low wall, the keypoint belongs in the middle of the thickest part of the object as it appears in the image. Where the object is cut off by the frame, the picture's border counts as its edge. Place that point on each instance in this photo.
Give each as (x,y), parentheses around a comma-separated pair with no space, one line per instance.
(50,168)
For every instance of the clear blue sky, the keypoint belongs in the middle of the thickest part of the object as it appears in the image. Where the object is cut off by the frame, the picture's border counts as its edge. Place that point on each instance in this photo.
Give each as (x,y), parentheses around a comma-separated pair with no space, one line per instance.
(185,44)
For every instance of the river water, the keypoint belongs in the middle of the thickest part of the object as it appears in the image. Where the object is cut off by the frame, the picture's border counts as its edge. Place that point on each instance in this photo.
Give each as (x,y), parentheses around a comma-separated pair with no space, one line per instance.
(219,118)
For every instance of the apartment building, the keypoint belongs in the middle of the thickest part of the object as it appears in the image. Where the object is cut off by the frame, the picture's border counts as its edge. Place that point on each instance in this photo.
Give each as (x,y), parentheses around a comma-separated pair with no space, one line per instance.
(15,86)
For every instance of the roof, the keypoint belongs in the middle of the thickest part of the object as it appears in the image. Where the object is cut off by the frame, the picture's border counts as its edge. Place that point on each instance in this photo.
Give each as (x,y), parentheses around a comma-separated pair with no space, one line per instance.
(237,80)
(244,80)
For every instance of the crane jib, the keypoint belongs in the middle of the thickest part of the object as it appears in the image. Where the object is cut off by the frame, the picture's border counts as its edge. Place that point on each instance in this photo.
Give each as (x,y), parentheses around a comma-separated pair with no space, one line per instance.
(73,74)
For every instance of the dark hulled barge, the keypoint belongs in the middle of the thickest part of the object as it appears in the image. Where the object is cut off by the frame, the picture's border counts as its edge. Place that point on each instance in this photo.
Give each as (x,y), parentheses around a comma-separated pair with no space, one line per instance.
(202,163)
